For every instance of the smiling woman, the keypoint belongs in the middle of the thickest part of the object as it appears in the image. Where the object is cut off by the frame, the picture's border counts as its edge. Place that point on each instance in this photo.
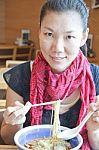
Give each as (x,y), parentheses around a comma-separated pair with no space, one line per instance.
(60,71)
(56,42)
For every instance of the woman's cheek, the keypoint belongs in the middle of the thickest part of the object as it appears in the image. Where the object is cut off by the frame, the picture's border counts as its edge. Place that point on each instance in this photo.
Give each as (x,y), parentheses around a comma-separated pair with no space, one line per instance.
(45,46)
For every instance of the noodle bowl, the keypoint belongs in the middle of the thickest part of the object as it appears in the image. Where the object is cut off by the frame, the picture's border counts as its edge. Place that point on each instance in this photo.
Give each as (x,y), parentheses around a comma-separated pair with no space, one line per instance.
(30,133)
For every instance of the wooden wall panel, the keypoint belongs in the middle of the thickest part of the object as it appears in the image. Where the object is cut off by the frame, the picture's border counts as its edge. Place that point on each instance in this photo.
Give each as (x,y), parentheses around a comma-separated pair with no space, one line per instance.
(2,21)
(25,14)
(22,14)
(94,27)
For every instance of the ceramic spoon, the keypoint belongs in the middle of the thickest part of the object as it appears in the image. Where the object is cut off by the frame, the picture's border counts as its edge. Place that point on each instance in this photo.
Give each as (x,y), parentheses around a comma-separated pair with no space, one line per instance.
(71,133)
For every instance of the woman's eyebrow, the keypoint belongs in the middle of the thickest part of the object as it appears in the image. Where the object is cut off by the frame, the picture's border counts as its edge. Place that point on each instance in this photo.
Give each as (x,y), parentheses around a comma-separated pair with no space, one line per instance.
(71,31)
(48,28)
(67,32)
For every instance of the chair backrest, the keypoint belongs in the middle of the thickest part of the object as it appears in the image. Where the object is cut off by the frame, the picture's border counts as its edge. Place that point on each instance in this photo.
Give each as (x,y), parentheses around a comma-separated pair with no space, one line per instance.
(12,63)
(2,103)
(23,52)
(3,84)
(15,52)
(6,53)
(2,106)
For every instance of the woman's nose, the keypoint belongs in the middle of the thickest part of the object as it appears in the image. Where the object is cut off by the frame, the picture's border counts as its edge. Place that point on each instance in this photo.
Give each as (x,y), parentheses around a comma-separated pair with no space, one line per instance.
(59,45)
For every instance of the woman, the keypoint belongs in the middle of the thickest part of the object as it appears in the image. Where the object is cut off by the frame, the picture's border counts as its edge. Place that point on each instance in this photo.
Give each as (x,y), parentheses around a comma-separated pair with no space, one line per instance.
(60,71)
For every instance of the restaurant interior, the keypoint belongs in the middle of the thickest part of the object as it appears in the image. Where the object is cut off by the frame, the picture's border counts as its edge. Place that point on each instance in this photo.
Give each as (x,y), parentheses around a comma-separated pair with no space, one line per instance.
(19,25)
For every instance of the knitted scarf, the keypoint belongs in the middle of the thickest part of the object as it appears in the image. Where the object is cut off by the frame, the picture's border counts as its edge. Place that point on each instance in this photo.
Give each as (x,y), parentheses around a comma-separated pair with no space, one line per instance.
(48,86)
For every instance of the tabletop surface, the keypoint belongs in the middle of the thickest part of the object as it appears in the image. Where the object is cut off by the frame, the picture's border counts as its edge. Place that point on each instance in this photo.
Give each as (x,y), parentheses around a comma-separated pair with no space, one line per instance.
(8,45)
(8,147)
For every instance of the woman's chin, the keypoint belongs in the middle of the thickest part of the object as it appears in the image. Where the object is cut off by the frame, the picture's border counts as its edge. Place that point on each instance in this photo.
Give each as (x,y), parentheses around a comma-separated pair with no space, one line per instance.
(59,69)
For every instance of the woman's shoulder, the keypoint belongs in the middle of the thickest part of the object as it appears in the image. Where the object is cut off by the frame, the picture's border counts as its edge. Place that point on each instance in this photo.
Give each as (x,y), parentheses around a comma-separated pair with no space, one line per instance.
(94,67)
(18,77)
(19,68)
(95,73)
(18,72)
(95,70)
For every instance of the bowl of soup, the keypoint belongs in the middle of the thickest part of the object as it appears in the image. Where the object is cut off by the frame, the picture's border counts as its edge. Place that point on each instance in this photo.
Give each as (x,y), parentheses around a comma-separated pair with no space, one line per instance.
(39,137)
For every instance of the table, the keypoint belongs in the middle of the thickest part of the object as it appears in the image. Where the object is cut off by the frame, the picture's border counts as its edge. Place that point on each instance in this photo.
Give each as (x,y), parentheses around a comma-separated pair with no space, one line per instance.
(15,51)
(8,147)
(3,85)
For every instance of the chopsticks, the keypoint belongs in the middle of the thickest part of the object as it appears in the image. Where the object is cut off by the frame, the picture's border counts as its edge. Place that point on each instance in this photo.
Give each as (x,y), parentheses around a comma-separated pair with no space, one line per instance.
(46,103)
(36,105)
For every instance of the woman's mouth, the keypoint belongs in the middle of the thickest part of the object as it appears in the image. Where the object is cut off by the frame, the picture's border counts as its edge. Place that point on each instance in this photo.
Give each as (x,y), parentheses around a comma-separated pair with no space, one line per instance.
(58,58)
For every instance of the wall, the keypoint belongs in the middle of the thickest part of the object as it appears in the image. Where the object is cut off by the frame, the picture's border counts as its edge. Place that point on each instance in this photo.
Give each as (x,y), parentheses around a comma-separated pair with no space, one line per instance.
(2,21)
(22,14)
(94,27)
(25,14)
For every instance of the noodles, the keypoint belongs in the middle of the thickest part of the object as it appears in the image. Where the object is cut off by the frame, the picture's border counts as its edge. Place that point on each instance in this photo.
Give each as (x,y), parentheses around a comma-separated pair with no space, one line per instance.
(56,123)
(52,143)
(48,144)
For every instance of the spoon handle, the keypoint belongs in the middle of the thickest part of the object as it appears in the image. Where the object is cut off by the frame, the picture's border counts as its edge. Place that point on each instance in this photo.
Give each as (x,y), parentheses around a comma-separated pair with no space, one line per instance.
(85,120)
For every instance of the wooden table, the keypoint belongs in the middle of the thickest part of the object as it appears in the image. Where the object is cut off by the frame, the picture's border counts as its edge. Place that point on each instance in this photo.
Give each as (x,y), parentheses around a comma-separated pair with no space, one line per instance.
(8,147)
(16,51)
(3,84)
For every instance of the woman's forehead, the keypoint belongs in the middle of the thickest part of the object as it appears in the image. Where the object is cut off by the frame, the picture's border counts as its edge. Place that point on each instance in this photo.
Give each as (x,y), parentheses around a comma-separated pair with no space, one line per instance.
(62,20)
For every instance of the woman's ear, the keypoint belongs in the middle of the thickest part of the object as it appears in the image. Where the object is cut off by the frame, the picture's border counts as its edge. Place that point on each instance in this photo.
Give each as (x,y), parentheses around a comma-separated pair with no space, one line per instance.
(84,37)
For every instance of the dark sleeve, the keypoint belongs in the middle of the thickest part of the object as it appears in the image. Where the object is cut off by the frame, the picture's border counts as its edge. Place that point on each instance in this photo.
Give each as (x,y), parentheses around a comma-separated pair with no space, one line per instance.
(18,79)
(95,73)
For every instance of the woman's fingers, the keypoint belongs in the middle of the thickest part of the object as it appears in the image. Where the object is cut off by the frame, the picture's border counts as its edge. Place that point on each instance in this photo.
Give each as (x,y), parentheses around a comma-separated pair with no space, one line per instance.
(24,109)
(18,120)
(27,107)
(9,111)
(17,103)
(95,108)
(97,98)
(96,119)
(16,114)
(96,116)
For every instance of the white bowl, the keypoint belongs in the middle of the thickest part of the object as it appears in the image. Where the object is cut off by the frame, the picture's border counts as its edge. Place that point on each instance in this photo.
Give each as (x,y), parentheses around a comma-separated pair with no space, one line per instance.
(29,133)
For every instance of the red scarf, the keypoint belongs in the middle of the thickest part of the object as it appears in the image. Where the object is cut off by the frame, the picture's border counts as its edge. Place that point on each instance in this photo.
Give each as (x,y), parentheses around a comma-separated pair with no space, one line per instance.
(48,86)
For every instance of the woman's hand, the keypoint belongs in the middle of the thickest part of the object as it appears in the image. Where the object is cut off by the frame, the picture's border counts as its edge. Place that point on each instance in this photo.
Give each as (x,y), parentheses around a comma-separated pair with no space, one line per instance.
(95,107)
(16,115)
(93,125)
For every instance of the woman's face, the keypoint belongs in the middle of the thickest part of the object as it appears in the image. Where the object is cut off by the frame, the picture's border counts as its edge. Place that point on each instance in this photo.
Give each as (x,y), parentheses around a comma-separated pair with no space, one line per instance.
(61,36)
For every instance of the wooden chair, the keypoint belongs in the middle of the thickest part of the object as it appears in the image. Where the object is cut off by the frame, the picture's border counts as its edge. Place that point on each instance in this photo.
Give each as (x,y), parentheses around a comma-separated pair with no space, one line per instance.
(3,85)
(15,52)
(12,63)
(6,53)
(23,52)
(2,108)
(12,51)
(2,103)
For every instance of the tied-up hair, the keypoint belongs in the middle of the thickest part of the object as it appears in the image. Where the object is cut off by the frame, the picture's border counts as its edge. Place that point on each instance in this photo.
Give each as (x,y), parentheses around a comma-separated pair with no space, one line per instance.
(66,5)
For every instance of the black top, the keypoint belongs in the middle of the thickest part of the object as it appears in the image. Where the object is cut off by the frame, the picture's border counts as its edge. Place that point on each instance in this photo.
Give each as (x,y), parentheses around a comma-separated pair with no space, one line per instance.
(18,79)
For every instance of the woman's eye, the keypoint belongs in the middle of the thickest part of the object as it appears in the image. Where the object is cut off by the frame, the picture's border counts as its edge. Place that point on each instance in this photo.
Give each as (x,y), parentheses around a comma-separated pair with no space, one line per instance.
(49,34)
(70,37)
